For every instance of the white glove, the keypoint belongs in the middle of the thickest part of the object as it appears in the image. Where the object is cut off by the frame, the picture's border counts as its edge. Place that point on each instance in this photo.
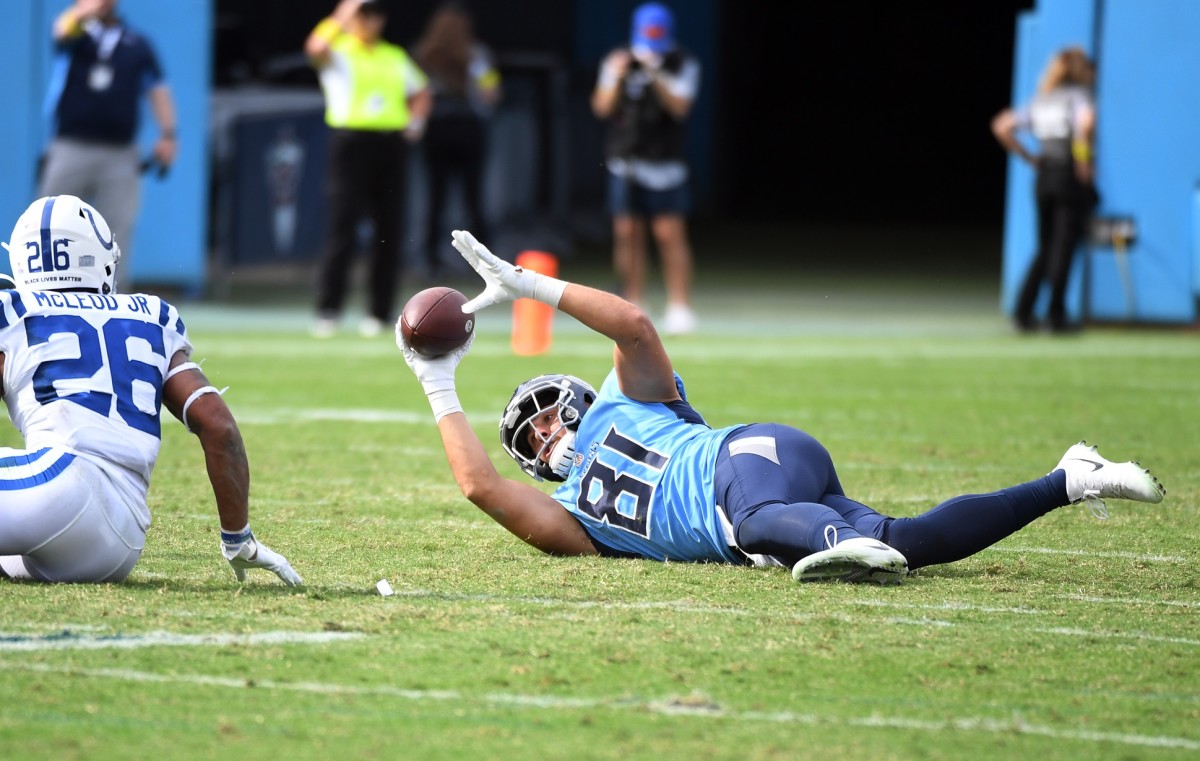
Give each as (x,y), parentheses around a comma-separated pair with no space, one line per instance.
(435,374)
(504,281)
(243,551)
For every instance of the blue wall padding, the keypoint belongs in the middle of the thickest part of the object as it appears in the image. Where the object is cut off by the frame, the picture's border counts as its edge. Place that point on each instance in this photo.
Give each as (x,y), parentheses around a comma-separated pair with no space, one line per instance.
(171,233)
(1147,154)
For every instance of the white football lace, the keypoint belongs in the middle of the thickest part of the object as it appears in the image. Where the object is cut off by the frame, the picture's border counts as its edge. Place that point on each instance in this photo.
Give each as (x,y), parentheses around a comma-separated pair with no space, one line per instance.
(1091,497)
(830,528)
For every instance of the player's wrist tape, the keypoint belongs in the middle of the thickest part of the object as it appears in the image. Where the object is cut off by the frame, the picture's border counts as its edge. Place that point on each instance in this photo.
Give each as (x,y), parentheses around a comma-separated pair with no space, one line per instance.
(546,289)
(443,401)
(196,395)
(1081,151)
(177,369)
(236,538)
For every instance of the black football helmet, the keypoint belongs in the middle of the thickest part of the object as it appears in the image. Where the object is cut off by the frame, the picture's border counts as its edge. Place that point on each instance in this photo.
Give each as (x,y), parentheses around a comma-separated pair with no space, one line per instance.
(565,393)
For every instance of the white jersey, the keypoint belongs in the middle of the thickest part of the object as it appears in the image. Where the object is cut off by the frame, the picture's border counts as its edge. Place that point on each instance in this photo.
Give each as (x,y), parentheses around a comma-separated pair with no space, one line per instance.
(84,372)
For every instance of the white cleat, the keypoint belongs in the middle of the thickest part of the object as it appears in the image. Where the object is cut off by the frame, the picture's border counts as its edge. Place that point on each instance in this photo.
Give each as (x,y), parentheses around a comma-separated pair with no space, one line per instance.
(370,327)
(1091,479)
(679,320)
(853,560)
(324,327)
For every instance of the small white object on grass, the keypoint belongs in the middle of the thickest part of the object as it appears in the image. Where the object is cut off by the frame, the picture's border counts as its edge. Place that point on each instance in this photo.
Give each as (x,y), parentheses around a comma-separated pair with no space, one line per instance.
(384,588)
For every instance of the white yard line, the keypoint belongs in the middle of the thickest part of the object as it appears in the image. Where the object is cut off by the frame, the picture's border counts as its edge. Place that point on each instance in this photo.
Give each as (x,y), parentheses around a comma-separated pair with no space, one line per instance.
(690,706)
(1123,601)
(1060,631)
(70,640)
(689,607)
(1092,554)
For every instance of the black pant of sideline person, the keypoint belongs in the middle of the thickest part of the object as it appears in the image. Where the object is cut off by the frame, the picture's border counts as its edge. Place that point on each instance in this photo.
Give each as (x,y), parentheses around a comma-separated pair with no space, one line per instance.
(368,171)
(454,147)
(1064,206)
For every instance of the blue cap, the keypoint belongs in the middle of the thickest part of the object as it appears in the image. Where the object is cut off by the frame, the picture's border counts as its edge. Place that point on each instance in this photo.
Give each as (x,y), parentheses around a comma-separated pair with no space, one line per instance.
(653,27)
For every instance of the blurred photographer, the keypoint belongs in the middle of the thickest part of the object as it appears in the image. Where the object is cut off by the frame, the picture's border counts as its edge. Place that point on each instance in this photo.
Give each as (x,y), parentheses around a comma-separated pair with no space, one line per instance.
(645,91)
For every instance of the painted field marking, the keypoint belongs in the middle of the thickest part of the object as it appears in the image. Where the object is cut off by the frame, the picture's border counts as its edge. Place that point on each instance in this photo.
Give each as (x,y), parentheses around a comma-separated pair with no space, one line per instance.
(1093,554)
(1129,601)
(69,640)
(690,706)
(949,607)
(673,606)
(1060,631)
(317,415)
(709,609)
(687,607)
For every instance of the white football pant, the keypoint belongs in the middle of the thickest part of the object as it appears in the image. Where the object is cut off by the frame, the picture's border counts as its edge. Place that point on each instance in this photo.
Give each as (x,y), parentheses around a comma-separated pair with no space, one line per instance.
(63,519)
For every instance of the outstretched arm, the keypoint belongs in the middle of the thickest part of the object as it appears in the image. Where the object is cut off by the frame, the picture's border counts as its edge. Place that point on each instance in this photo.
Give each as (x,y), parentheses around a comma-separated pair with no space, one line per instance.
(189,397)
(533,516)
(642,365)
(225,458)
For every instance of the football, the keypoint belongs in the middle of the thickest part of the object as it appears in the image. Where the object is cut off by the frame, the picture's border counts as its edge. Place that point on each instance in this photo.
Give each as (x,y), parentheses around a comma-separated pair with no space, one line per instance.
(433,322)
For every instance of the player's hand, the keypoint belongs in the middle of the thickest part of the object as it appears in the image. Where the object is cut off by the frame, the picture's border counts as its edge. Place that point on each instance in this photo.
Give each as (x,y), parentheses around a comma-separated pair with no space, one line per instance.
(502,280)
(251,553)
(432,371)
(436,374)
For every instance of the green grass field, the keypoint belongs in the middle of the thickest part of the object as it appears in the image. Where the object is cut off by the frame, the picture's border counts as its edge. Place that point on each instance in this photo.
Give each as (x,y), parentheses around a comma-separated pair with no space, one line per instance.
(1075,638)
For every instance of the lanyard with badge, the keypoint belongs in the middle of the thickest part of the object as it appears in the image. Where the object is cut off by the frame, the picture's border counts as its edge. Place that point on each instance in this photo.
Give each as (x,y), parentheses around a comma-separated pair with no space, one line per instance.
(100,76)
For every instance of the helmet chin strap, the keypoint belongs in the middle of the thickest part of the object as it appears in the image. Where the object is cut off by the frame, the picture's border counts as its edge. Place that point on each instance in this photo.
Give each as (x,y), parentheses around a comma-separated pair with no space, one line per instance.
(562,454)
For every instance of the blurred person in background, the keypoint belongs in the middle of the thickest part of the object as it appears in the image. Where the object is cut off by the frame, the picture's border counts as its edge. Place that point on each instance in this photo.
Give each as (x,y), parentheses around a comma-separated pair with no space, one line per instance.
(377,101)
(645,92)
(642,474)
(1062,118)
(85,372)
(466,88)
(102,70)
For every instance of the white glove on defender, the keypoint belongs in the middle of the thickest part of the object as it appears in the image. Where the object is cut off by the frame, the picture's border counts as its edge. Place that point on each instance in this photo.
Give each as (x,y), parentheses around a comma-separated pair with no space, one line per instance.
(436,375)
(504,281)
(243,551)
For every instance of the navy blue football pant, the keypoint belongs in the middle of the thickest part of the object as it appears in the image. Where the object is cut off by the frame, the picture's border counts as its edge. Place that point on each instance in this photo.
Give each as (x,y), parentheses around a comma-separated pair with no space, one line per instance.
(780,491)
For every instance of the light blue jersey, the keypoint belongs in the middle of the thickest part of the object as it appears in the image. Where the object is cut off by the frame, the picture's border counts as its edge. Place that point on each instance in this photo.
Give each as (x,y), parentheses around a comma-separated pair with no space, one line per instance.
(642,479)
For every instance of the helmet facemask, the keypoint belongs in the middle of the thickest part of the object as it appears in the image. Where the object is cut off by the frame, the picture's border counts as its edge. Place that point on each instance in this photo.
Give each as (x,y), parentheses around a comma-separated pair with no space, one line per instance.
(569,398)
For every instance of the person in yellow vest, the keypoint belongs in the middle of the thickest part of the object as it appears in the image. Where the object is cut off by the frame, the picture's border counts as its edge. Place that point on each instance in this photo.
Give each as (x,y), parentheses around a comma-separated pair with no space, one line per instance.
(376,103)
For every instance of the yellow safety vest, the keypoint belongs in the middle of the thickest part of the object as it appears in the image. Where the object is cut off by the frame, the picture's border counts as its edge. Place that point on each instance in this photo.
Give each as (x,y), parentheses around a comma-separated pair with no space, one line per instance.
(367,87)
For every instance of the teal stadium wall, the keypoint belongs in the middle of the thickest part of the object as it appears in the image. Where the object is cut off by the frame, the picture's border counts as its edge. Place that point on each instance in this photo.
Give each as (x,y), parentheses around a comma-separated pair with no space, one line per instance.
(172,229)
(1147,155)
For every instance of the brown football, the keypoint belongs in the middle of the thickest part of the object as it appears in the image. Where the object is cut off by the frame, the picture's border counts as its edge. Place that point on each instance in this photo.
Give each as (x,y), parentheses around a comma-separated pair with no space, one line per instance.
(433,322)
